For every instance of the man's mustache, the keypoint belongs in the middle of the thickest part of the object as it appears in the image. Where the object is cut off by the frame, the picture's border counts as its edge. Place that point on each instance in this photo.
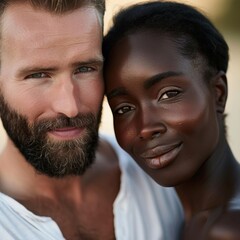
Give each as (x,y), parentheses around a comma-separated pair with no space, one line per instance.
(50,124)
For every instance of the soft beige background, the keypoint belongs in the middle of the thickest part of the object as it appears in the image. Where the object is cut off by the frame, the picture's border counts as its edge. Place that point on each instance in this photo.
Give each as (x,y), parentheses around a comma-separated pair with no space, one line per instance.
(214,9)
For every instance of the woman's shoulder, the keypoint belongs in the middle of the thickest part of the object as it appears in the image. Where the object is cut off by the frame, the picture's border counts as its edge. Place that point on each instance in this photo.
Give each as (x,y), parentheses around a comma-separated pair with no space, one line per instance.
(226,226)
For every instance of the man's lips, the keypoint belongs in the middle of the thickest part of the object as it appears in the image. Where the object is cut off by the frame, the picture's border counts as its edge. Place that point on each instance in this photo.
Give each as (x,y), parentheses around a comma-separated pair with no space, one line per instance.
(162,155)
(66,133)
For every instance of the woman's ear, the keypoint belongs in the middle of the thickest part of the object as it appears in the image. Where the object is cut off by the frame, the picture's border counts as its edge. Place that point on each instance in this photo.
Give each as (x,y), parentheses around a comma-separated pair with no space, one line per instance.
(221,91)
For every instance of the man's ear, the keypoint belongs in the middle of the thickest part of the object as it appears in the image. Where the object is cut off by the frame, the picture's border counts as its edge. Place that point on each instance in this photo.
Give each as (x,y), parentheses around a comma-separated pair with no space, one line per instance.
(221,91)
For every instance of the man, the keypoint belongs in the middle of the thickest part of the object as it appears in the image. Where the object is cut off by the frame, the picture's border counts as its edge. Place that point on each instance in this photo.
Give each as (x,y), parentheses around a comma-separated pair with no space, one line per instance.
(51,93)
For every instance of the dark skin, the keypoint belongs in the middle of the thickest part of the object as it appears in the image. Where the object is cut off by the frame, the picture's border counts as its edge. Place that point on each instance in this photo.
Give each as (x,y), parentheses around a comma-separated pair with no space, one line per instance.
(171,121)
(73,202)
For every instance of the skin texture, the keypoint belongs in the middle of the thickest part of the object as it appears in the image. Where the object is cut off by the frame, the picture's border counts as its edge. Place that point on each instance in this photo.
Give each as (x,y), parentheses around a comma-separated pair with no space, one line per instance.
(48,88)
(49,64)
(170,121)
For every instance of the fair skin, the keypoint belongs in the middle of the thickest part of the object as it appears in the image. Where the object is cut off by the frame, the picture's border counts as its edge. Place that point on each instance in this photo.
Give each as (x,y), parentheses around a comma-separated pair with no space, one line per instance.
(50,72)
(171,121)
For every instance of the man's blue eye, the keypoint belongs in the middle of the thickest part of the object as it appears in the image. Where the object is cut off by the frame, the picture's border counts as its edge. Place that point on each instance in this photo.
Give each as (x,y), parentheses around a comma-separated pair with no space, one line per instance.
(37,75)
(84,69)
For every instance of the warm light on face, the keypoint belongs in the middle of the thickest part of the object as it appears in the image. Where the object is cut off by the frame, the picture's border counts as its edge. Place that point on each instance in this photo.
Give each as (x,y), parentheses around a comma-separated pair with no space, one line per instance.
(50,63)
(162,108)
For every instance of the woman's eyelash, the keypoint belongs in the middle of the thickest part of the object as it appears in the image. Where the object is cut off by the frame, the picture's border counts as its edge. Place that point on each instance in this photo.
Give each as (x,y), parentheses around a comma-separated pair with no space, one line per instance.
(169,94)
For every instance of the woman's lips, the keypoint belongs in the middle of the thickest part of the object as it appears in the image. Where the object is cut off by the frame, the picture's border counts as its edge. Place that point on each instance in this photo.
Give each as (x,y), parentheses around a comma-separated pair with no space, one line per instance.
(161,156)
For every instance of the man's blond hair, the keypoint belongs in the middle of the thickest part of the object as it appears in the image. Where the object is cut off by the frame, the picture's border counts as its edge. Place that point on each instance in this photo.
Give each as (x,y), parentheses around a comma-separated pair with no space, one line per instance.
(56,6)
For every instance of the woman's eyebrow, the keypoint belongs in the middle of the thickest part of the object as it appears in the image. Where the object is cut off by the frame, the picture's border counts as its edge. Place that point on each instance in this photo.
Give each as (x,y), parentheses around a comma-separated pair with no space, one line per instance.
(116,92)
(159,77)
(147,84)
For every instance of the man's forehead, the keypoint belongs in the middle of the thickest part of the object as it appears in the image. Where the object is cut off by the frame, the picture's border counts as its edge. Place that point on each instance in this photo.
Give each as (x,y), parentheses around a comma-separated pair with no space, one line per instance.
(22,21)
(37,36)
(21,12)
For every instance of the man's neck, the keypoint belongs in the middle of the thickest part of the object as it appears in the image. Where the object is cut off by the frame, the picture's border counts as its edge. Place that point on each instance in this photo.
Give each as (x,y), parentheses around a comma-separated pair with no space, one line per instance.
(72,202)
(18,179)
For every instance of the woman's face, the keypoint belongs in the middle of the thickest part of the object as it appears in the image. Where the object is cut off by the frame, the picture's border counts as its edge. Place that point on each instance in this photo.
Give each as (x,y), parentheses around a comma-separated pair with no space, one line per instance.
(164,113)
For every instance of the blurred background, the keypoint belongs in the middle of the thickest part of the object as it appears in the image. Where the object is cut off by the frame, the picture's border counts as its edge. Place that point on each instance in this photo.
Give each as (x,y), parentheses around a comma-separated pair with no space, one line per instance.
(225,14)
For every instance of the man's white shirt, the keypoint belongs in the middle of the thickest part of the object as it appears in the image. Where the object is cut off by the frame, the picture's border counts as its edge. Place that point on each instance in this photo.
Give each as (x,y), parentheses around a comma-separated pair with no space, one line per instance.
(143,210)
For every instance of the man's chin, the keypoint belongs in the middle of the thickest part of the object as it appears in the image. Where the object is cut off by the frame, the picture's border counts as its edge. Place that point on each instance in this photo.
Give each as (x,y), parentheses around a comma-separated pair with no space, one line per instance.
(71,151)
(57,168)
(63,158)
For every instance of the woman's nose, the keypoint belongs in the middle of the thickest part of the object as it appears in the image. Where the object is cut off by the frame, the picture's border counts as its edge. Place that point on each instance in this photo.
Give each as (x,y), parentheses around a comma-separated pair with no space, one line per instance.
(152,126)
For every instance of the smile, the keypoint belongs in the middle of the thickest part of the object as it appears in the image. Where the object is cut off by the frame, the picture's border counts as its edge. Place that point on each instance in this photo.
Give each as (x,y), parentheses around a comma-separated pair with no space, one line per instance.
(68,133)
(161,156)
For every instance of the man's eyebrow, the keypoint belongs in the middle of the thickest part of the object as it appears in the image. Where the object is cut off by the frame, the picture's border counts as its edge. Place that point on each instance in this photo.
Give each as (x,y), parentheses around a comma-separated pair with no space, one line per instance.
(38,68)
(94,61)
(159,77)
(33,69)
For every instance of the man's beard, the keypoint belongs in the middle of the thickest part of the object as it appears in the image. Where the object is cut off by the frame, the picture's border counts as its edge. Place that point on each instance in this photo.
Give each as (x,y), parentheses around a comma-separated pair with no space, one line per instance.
(51,157)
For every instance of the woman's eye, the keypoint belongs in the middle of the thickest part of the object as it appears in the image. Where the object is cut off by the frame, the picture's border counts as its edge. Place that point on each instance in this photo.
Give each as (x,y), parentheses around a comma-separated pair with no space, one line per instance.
(37,75)
(84,69)
(169,94)
(123,110)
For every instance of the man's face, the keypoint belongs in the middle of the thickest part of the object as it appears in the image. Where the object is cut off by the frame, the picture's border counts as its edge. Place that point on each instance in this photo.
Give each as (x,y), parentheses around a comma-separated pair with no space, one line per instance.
(51,86)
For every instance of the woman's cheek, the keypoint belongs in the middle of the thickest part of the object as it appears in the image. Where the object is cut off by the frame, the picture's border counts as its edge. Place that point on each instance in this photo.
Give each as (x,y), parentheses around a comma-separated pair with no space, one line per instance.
(125,135)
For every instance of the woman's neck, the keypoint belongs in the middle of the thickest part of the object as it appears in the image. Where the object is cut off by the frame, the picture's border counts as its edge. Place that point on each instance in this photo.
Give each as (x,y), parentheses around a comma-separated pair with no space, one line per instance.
(213,185)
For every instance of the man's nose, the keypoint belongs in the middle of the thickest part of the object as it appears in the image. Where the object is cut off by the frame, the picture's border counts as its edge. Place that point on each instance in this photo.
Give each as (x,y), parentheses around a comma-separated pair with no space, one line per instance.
(65,99)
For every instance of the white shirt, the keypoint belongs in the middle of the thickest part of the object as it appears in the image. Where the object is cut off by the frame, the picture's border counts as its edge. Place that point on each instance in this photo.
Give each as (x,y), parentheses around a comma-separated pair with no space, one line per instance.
(142,211)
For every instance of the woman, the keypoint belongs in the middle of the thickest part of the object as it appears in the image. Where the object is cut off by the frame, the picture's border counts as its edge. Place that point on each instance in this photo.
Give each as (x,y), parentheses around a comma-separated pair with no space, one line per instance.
(165,73)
